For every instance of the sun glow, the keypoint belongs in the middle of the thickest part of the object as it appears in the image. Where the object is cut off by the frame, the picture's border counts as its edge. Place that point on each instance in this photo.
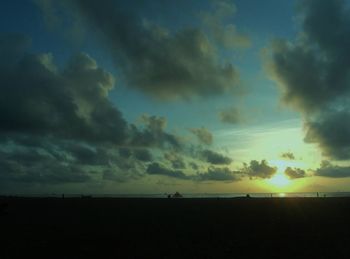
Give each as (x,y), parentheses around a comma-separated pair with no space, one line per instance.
(279,180)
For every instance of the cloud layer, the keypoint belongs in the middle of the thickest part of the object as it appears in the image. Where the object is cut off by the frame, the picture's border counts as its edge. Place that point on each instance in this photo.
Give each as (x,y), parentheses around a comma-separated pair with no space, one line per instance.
(72,103)
(288,155)
(215,158)
(58,126)
(327,169)
(218,174)
(155,60)
(204,135)
(230,115)
(331,132)
(313,72)
(294,173)
(257,169)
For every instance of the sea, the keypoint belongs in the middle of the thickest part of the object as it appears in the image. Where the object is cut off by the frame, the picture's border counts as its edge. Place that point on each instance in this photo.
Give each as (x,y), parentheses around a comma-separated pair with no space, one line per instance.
(193,195)
(236,195)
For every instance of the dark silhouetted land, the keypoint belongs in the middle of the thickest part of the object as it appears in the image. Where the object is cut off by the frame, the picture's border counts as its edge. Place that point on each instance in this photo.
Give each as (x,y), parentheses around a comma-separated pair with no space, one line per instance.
(175,228)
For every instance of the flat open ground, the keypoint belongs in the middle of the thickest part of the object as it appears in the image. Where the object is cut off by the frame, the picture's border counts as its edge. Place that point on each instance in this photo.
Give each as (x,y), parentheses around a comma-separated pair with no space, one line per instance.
(175,228)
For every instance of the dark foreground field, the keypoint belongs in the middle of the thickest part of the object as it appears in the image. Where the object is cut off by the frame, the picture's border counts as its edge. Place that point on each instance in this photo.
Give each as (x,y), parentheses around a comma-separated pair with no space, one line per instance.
(175,228)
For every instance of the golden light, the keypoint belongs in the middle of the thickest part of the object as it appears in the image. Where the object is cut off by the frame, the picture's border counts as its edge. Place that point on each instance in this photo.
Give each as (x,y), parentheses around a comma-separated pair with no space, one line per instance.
(280,183)
(279,180)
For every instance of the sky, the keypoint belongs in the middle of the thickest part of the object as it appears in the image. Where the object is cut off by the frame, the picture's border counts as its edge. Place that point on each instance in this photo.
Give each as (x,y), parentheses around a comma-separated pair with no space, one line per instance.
(201,96)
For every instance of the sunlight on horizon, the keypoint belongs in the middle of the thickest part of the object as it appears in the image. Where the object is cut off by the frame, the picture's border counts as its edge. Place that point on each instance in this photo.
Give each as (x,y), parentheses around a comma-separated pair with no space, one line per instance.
(280,180)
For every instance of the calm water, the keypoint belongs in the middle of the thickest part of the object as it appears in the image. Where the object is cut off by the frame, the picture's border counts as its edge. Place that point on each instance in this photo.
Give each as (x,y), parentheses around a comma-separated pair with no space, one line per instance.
(204,195)
(235,195)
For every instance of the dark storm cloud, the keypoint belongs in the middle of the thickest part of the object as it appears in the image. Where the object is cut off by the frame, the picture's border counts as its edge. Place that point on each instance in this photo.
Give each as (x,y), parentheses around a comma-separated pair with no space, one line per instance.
(288,155)
(140,154)
(203,135)
(332,133)
(297,72)
(63,126)
(38,98)
(332,171)
(28,166)
(143,155)
(175,159)
(106,160)
(230,115)
(58,124)
(158,169)
(164,64)
(124,152)
(294,173)
(314,73)
(218,174)
(314,70)
(87,155)
(116,176)
(212,173)
(61,162)
(25,157)
(215,158)
(112,176)
(259,170)
(153,134)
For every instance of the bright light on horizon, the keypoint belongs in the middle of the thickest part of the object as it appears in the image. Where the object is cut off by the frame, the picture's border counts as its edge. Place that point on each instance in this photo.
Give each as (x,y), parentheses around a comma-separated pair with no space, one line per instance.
(279,180)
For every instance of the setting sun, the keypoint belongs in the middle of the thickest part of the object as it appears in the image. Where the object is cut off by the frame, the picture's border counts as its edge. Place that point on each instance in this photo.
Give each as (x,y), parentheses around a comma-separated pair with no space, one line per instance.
(279,180)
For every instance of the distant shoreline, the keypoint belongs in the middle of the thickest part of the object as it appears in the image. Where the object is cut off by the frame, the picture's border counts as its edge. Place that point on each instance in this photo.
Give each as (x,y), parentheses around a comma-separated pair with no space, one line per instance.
(6,198)
(189,195)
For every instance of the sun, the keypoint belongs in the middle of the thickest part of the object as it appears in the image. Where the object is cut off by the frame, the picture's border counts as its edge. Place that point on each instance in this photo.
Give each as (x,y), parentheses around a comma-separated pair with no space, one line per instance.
(279,180)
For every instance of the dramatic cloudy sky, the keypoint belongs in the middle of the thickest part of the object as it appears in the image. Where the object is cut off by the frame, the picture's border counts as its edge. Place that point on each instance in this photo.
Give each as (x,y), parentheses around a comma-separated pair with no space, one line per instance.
(214,96)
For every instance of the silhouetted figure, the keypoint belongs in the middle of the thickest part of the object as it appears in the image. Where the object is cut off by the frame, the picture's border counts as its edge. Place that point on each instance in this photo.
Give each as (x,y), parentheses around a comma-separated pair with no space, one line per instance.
(177,195)
(63,196)
(169,196)
(318,195)
(248,195)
